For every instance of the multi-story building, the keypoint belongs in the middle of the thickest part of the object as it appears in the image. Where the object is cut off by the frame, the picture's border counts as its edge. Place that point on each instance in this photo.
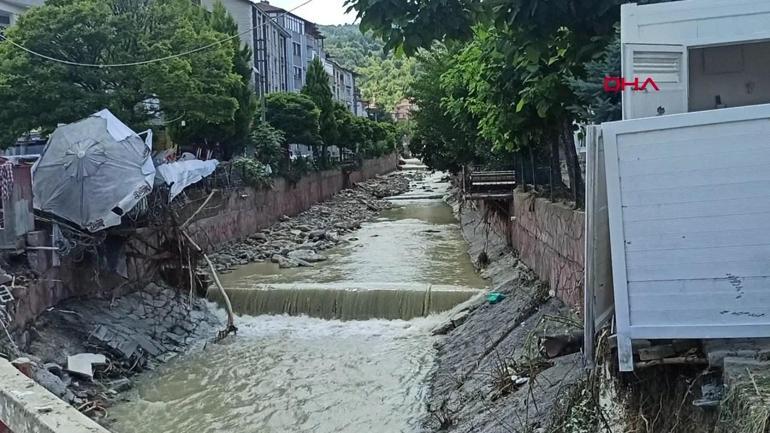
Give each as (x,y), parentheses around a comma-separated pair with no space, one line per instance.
(11,9)
(268,41)
(404,110)
(343,86)
(284,44)
(304,44)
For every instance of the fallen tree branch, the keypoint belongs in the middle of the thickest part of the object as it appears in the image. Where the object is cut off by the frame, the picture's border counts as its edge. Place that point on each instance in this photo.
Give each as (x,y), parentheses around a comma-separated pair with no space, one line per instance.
(189,220)
(230,316)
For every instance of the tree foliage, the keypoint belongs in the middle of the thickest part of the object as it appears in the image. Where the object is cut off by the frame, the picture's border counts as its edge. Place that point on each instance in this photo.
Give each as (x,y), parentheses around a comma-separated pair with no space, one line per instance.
(296,115)
(387,80)
(384,78)
(350,47)
(516,76)
(38,93)
(318,90)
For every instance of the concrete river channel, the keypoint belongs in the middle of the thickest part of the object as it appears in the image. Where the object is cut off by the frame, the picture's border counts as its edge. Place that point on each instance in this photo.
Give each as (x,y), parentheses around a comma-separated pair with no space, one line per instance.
(345,346)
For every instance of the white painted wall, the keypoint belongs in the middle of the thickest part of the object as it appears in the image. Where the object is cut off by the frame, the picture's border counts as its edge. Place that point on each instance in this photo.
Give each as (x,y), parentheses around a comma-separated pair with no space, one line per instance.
(688,201)
(664,41)
(695,22)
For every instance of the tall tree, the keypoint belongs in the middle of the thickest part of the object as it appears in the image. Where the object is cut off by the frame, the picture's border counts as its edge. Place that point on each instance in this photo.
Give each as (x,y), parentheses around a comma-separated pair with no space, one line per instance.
(38,93)
(235,138)
(296,115)
(317,88)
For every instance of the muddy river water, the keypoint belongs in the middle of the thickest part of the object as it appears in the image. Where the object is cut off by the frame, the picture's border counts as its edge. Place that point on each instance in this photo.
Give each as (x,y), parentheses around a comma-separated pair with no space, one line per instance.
(287,373)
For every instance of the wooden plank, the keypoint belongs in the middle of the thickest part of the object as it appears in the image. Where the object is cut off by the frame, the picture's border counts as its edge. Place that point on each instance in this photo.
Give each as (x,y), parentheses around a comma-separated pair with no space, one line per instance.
(698,178)
(725,238)
(716,302)
(683,141)
(711,193)
(692,256)
(688,271)
(727,206)
(737,330)
(679,318)
(724,159)
(696,288)
(684,226)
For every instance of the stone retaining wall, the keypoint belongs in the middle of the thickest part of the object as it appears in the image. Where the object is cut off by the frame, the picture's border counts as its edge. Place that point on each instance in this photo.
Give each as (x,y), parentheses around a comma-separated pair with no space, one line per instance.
(229,216)
(238,214)
(550,239)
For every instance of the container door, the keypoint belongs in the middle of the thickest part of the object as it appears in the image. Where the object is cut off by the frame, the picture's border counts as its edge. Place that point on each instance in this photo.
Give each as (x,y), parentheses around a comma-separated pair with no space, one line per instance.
(666,66)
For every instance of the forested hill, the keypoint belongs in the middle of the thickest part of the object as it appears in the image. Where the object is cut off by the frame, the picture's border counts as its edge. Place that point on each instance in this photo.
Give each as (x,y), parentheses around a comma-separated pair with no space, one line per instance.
(348,46)
(384,78)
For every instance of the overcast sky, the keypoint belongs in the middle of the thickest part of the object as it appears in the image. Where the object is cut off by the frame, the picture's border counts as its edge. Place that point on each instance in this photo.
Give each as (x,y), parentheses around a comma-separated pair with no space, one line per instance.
(319,11)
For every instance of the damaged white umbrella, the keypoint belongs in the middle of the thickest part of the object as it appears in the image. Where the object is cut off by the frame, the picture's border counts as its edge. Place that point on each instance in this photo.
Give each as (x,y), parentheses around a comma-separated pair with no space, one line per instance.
(93,171)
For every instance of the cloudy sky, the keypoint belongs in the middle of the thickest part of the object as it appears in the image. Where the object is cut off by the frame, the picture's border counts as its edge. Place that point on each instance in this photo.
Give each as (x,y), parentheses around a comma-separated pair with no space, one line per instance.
(319,11)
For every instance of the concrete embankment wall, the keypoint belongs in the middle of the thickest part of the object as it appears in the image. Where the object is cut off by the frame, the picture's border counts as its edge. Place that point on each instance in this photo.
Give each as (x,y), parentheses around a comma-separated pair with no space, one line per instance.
(549,238)
(237,214)
(26,407)
(230,214)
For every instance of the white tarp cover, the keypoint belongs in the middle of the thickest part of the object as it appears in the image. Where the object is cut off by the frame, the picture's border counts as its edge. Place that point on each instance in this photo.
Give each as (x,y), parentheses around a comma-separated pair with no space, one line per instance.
(181,174)
(93,171)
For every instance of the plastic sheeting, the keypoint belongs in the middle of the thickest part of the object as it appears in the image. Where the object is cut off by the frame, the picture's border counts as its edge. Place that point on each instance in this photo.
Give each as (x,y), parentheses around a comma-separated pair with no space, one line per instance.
(93,171)
(179,175)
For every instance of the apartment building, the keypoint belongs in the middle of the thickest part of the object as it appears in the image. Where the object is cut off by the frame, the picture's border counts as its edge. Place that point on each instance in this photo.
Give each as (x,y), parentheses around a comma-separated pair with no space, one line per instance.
(304,44)
(11,9)
(268,40)
(342,82)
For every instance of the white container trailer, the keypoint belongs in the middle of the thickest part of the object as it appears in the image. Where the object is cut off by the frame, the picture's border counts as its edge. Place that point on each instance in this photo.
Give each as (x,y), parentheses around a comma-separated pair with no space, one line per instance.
(687,174)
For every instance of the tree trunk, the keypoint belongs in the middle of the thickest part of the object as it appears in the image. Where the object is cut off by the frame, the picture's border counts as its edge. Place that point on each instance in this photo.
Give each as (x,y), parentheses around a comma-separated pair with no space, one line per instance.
(555,175)
(573,164)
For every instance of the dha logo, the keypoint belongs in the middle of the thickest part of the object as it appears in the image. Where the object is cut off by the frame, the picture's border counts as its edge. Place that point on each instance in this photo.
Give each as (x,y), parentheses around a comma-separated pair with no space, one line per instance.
(618,84)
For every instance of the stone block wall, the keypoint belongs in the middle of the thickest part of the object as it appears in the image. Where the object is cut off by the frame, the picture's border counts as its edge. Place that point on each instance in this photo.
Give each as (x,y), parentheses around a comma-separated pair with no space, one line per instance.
(237,214)
(550,239)
(230,215)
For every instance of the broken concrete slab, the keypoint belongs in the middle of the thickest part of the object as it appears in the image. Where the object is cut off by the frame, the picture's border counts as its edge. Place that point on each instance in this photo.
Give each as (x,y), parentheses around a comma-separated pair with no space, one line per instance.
(82,364)
(26,406)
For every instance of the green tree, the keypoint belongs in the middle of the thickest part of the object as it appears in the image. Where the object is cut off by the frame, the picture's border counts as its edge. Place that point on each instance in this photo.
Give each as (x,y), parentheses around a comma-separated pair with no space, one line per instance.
(296,115)
(243,90)
(269,145)
(318,90)
(38,93)
(387,80)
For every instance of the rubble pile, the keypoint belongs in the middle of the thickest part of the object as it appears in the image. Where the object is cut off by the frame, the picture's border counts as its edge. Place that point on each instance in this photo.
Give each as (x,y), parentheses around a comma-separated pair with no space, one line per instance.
(85,351)
(298,241)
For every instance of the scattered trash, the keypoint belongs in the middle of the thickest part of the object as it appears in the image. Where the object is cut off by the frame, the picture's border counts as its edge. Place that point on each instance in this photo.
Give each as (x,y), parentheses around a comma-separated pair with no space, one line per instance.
(495,297)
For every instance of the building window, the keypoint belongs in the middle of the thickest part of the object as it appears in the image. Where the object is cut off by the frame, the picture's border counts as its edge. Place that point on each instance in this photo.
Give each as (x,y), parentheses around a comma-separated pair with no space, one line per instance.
(297,49)
(5,19)
(297,73)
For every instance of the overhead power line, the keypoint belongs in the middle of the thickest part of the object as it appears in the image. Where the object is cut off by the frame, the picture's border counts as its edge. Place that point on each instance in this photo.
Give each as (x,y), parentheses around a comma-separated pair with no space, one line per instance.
(146,62)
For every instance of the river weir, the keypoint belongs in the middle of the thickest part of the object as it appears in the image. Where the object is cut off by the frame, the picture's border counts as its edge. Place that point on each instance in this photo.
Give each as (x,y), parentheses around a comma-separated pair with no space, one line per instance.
(343,346)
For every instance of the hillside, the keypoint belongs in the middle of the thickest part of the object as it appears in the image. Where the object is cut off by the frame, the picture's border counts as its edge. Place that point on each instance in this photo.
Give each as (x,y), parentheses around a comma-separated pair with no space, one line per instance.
(384,79)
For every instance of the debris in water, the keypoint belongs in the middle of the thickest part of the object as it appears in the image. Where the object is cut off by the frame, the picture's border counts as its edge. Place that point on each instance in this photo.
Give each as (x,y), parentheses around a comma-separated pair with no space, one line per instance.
(82,364)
